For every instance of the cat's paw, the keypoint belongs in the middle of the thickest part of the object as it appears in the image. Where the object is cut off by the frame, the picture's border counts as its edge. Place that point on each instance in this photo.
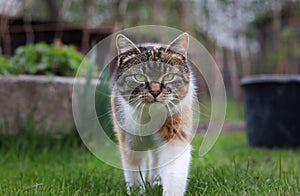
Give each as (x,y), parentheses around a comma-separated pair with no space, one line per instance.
(156,182)
(154,179)
(172,192)
(139,190)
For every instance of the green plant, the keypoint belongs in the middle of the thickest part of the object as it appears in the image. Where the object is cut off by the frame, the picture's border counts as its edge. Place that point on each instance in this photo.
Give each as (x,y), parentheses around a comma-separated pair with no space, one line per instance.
(5,66)
(44,59)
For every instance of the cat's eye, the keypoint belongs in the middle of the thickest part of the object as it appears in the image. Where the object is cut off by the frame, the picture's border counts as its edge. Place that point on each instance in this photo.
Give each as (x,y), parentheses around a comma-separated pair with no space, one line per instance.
(140,77)
(168,77)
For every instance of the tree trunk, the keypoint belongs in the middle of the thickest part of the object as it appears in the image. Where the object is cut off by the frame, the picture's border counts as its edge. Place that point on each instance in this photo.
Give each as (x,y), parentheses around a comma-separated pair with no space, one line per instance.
(53,10)
(60,19)
(233,73)
(241,42)
(27,23)
(276,30)
(5,36)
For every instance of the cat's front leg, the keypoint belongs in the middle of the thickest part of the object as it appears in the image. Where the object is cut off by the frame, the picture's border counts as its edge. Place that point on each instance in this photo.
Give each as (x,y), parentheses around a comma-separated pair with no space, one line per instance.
(134,166)
(176,160)
(153,177)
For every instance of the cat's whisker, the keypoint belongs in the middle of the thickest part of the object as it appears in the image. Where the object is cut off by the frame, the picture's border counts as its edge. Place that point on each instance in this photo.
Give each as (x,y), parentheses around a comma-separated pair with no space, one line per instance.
(173,106)
(137,105)
(180,104)
(102,93)
(134,100)
(141,110)
(137,116)
(102,115)
(129,95)
(171,114)
(204,115)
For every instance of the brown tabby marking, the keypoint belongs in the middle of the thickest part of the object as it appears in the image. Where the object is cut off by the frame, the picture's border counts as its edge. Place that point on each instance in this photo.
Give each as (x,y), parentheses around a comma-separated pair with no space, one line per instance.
(152,54)
(167,55)
(172,130)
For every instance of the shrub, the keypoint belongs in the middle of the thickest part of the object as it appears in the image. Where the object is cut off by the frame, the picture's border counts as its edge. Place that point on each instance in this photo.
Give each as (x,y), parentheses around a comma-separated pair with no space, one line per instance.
(44,59)
(5,66)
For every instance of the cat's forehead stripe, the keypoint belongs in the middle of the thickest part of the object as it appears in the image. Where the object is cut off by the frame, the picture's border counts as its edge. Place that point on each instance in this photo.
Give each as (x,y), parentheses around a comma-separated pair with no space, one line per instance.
(151,53)
(148,53)
(128,57)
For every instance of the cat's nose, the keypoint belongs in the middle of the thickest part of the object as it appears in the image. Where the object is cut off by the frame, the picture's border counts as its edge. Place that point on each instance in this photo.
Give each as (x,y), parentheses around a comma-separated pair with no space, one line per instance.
(155,88)
(155,93)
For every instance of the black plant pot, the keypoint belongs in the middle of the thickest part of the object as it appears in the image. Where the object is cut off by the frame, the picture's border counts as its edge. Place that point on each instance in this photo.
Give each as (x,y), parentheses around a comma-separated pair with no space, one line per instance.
(272,105)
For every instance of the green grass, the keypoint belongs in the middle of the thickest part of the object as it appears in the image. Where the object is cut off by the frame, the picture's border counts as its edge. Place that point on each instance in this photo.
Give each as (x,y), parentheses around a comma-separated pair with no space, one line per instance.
(40,165)
(234,110)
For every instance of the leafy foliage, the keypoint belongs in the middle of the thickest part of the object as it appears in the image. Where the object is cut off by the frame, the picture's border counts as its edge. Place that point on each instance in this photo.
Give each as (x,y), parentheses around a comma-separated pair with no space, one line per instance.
(44,59)
(5,66)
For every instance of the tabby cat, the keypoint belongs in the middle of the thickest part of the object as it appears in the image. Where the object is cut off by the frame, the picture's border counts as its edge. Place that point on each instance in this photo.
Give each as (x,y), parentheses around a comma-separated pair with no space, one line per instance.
(154,82)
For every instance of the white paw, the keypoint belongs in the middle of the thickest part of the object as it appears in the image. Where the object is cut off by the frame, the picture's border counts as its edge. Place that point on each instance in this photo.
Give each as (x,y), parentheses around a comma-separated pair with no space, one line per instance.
(156,181)
(136,189)
(172,193)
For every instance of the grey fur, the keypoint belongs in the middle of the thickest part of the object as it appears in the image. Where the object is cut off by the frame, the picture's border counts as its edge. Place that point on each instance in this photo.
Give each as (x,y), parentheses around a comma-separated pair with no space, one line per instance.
(154,61)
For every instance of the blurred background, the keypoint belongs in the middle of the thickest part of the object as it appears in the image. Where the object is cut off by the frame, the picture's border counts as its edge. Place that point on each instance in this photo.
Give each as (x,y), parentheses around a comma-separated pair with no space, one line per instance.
(245,37)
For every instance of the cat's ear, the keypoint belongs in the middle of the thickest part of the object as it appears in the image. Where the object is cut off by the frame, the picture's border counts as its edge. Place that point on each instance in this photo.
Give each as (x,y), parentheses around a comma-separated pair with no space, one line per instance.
(124,44)
(180,44)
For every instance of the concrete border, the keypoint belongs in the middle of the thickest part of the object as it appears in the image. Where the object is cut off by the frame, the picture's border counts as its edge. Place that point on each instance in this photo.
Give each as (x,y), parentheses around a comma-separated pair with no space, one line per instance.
(42,100)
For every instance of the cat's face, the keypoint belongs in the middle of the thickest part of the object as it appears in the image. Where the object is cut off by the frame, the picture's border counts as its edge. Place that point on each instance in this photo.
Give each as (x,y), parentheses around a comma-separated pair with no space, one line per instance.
(151,73)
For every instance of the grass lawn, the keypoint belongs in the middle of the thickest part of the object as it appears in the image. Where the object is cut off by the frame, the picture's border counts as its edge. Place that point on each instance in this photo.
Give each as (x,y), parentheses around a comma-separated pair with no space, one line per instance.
(234,110)
(37,165)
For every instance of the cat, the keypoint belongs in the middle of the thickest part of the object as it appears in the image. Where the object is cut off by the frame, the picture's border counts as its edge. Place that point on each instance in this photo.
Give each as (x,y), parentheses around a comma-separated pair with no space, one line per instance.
(155,75)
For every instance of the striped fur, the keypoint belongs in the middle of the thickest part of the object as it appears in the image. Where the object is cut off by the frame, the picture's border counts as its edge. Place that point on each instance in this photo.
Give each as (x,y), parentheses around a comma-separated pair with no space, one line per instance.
(141,79)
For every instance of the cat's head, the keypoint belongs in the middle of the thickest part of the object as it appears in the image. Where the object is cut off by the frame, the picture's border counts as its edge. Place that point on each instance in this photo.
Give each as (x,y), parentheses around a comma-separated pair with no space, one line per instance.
(148,73)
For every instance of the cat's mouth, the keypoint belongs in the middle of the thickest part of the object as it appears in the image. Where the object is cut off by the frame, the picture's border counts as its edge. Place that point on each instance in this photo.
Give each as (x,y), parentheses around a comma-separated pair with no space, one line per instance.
(159,99)
(152,97)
